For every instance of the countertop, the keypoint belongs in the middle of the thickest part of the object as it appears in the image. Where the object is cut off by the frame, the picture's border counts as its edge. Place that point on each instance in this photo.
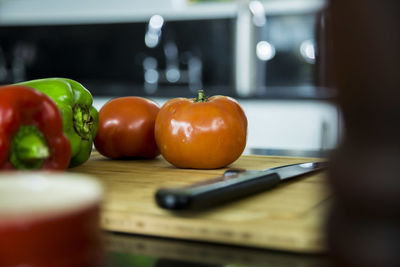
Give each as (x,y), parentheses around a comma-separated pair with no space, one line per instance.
(143,251)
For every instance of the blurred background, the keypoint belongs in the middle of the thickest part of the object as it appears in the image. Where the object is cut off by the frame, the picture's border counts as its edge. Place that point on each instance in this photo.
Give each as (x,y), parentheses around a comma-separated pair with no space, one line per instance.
(269,55)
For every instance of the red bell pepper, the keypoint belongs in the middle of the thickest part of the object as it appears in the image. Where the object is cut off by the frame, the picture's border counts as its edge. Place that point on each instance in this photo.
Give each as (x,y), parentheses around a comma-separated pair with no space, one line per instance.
(31,131)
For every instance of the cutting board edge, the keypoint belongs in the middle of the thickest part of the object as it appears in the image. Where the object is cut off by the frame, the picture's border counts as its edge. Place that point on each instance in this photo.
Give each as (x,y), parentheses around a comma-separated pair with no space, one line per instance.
(315,243)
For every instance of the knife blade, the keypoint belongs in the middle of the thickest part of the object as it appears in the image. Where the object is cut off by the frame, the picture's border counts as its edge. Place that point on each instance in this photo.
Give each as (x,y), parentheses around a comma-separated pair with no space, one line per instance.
(233,184)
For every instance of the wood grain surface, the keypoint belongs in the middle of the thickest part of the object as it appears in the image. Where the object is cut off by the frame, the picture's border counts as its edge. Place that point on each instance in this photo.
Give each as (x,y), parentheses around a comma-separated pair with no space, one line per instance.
(289,217)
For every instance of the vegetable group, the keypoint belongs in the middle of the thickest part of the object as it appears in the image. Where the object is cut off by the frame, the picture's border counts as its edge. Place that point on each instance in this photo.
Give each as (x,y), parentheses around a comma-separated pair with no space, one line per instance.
(126,128)
(80,118)
(201,133)
(31,135)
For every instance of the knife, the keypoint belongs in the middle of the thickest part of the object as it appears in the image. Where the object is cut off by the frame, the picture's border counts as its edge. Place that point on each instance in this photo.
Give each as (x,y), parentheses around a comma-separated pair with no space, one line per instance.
(235,183)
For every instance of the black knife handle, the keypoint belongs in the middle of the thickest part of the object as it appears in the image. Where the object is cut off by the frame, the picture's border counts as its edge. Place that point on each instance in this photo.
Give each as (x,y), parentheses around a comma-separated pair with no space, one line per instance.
(204,196)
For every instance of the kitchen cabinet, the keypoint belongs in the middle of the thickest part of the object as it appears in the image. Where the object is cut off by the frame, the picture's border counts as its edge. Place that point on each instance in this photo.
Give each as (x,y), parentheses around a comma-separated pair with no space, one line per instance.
(310,125)
(34,12)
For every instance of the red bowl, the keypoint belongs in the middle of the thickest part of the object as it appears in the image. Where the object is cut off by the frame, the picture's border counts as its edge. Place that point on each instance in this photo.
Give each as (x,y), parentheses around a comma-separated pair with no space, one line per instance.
(49,219)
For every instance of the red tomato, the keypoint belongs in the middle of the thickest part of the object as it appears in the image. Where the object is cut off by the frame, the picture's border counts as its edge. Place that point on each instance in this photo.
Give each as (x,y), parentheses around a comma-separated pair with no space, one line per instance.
(201,133)
(126,128)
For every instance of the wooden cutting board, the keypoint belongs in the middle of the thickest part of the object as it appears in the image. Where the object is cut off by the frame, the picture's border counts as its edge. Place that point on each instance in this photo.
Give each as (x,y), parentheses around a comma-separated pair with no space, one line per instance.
(289,217)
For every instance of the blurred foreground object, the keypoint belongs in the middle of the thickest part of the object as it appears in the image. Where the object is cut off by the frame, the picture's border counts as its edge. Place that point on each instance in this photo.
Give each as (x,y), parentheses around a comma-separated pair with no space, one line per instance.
(49,219)
(364,226)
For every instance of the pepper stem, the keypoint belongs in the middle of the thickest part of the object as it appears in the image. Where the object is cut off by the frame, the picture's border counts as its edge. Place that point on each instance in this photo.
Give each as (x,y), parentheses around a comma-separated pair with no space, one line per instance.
(201,97)
(83,121)
(28,148)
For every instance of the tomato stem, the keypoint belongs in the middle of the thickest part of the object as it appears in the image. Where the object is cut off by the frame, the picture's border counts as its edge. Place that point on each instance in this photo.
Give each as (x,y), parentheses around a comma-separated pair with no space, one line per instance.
(201,97)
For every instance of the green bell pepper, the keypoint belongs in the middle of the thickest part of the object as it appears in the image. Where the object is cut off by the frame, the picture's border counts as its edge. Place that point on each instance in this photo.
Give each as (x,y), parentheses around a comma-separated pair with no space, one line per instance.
(80,118)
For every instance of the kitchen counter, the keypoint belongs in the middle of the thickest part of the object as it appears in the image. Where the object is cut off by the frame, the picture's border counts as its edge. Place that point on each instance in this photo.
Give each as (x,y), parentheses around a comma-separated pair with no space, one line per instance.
(135,249)
(145,251)
(140,250)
